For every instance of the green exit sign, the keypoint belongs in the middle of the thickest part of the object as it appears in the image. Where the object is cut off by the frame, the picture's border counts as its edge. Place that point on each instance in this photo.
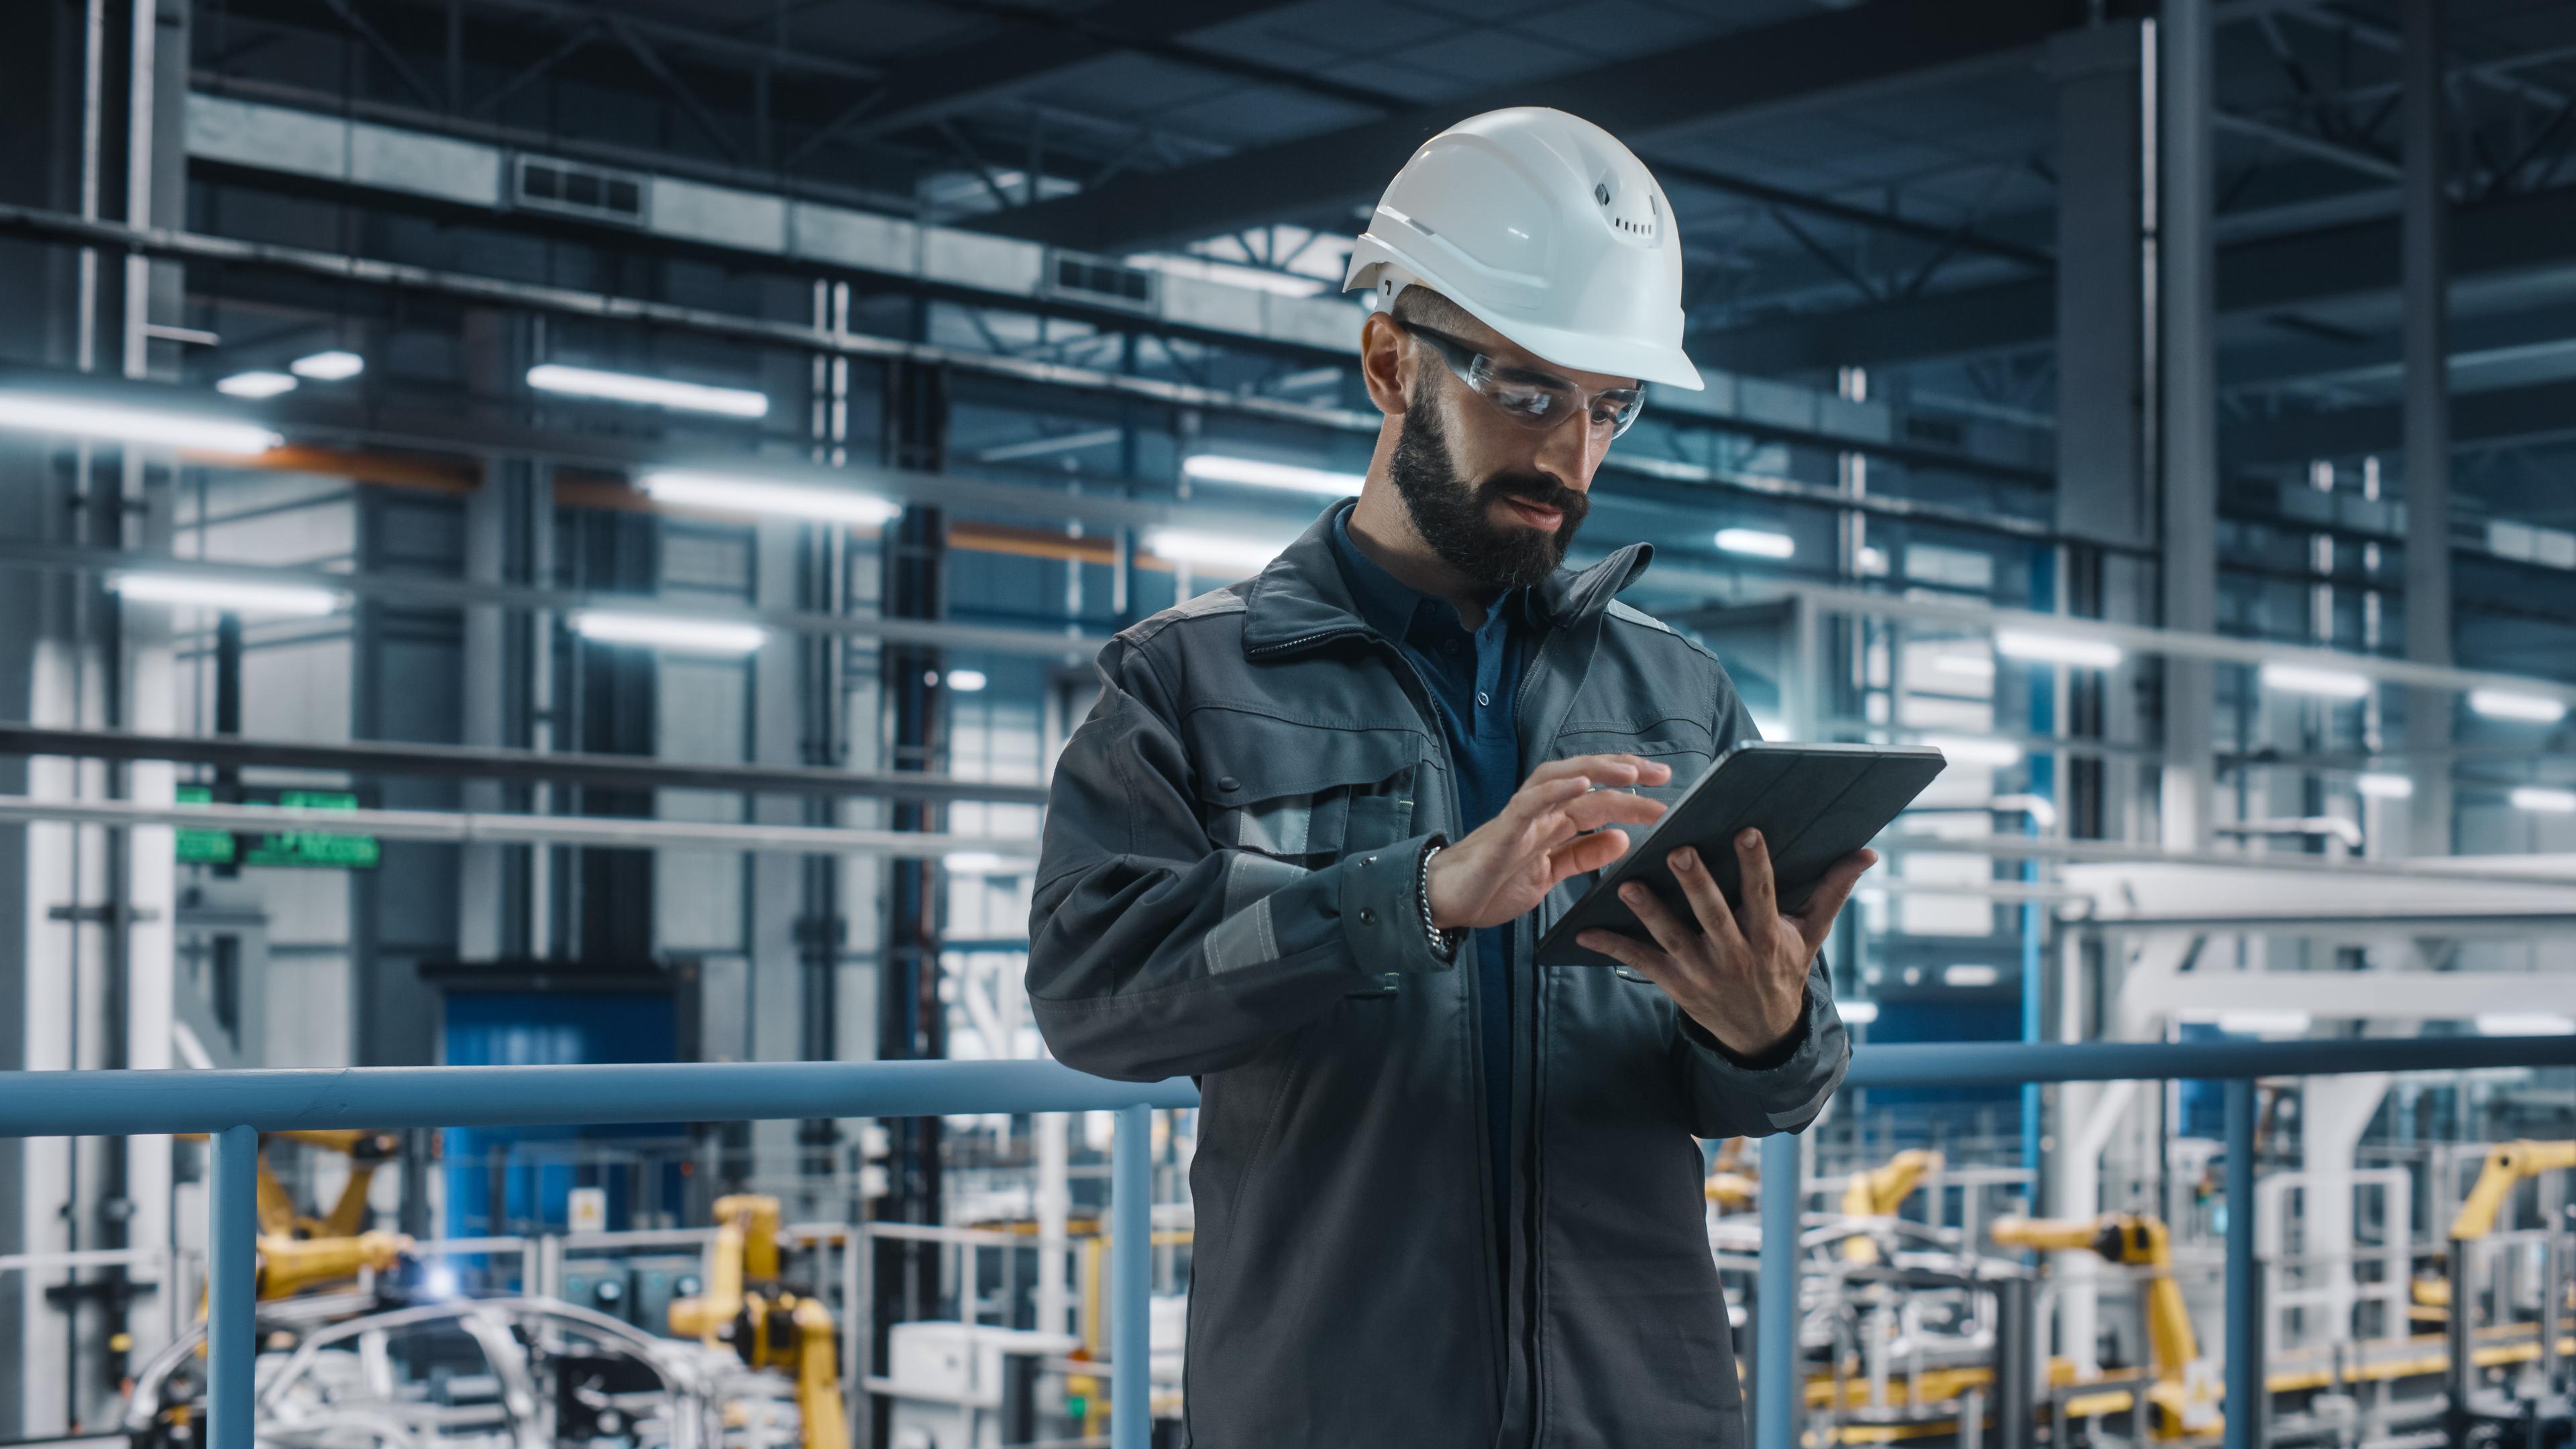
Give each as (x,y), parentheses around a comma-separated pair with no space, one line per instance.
(277,847)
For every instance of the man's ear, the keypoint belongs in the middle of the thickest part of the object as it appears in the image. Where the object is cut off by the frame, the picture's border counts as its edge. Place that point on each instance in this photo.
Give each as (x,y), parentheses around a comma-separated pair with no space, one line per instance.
(1386,364)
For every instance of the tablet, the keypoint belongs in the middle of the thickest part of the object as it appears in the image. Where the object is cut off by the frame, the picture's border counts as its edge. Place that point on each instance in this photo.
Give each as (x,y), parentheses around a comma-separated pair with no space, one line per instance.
(1814,804)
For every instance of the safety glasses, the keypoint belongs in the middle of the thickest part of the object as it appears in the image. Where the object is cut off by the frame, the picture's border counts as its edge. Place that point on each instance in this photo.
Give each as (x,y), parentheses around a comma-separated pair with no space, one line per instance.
(1535,400)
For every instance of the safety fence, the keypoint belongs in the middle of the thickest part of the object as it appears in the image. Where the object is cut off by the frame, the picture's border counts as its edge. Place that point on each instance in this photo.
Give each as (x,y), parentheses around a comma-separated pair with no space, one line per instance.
(234,1107)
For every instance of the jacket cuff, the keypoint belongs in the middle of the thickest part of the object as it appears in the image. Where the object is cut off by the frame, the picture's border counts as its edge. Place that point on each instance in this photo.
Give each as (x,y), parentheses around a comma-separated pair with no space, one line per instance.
(1381,915)
(1810,1063)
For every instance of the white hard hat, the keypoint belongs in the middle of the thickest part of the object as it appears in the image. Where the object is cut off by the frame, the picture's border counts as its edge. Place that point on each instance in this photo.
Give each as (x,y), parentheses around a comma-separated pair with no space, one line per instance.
(1546,229)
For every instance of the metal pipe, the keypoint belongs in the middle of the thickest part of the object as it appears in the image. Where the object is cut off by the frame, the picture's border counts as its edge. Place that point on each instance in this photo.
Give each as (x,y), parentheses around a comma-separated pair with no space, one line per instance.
(1131,1207)
(232,1287)
(463,827)
(2005,1063)
(2245,1387)
(1775,1338)
(104,1103)
(485,763)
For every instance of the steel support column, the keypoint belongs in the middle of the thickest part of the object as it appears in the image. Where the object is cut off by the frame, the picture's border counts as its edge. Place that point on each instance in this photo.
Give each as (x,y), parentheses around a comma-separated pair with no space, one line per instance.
(2424,232)
(2187,387)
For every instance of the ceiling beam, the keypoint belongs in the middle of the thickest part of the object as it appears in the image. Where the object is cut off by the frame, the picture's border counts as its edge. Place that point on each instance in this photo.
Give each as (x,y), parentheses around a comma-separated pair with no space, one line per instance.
(2537,413)
(1822,59)
(2513,234)
(1035,46)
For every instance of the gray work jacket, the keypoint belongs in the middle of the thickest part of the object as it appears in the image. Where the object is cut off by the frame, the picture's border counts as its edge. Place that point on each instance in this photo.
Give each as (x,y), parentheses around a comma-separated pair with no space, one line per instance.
(1226,890)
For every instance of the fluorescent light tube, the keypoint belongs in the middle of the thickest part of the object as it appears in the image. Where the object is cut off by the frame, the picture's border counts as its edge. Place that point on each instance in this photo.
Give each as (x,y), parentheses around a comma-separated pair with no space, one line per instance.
(664,632)
(1212,550)
(1970,975)
(966,681)
(1857,1013)
(2544,800)
(2263,1023)
(761,495)
(1969,750)
(255,384)
(2047,648)
(38,414)
(1255,473)
(328,366)
(2384,785)
(2527,708)
(660,392)
(981,862)
(2302,679)
(230,595)
(1759,542)
(2524,1023)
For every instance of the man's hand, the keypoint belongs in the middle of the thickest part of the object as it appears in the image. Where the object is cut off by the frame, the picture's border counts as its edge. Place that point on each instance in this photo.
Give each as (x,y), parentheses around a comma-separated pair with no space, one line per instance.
(1741,973)
(1506,866)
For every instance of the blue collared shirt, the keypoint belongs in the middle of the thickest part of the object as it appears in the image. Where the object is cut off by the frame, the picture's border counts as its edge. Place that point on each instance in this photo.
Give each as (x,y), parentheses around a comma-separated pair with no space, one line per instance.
(1474,676)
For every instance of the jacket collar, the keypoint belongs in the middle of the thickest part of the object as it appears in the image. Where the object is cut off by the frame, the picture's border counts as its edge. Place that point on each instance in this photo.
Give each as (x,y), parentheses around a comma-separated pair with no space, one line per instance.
(1300,598)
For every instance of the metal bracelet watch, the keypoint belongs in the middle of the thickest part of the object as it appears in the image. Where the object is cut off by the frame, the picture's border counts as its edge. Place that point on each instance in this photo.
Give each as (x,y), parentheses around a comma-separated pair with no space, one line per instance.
(1444,944)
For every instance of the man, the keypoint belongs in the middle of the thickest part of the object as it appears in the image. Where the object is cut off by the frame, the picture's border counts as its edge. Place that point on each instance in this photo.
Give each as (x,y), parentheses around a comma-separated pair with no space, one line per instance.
(1304,847)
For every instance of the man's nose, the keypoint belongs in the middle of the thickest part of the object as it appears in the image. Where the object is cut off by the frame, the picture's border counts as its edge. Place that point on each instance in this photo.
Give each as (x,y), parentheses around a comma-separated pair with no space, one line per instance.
(1572,451)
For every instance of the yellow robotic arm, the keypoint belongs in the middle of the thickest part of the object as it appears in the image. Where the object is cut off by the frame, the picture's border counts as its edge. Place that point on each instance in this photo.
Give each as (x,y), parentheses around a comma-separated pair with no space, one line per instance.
(288,1266)
(1879,1192)
(2508,1163)
(2135,1240)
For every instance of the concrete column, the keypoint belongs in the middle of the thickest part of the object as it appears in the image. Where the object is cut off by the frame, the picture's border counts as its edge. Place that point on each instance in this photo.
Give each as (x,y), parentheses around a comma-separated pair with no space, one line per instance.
(2187,376)
(2103,488)
(776,1008)
(2424,229)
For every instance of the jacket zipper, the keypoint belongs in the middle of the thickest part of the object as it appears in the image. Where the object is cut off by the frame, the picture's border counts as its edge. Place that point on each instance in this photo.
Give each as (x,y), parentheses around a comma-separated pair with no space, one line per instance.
(1496,1233)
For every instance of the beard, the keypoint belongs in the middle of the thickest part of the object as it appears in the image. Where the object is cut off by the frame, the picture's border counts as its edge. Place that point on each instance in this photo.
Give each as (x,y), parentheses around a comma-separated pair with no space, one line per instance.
(1456,518)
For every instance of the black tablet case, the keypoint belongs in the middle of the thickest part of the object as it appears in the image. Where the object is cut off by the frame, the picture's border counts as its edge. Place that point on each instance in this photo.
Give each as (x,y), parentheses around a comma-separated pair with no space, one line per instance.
(1814,804)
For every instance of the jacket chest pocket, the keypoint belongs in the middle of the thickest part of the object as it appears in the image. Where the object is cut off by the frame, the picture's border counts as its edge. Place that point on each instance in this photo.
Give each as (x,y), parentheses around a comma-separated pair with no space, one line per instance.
(1304,794)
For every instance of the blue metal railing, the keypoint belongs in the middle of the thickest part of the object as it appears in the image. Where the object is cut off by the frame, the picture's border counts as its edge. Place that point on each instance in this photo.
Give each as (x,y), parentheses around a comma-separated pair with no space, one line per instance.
(234,1107)
(2237,1063)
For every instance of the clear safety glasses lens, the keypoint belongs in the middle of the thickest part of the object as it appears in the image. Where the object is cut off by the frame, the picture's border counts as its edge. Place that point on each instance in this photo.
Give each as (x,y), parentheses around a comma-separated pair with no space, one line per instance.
(1535,400)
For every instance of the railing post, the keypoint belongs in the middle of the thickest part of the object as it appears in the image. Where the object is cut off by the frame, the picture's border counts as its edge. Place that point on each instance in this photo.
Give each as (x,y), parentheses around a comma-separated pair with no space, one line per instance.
(1131,1262)
(232,1288)
(2245,1393)
(1775,1306)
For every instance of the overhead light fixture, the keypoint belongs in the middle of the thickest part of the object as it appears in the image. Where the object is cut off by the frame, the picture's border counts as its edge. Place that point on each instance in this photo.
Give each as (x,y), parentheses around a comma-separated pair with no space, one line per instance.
(1212,550)
(1857,1013)
(2525,1023)
(232,596)
(966,681)
(1254,473)
(2543,800)
(762,495)
(1970,975)
(2306,679)
(255,384)
(1872,562)
(1974,750)
(2384,785)
(981,862)
(1759,542)
(2046,648)
(2524,708)
(33,413)
(660,392)
(667,633)
(328,366)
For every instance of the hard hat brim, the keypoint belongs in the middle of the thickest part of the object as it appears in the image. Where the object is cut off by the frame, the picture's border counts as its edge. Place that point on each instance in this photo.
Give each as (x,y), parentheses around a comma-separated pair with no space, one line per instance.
(1663,364)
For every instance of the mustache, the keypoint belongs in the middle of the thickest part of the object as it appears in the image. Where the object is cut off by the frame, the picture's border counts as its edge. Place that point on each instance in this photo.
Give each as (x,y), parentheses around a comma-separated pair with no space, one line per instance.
(1538,489)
